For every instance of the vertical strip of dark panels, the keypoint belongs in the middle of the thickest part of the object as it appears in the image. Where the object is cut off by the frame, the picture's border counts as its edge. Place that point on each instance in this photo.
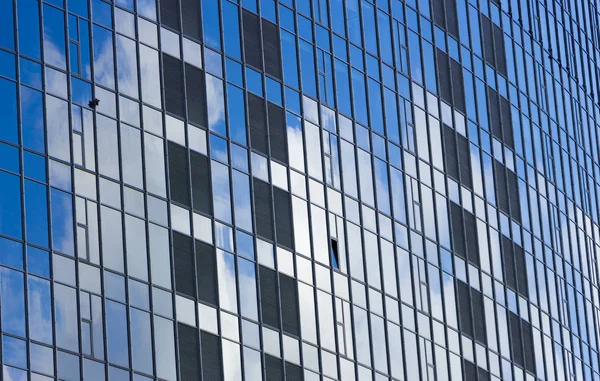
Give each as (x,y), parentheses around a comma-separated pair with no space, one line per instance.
(470,371)
(506,117)
(252,39)
(478,316)
(283,218)
(211,356)
(277,132)
(201,184)
(289,304)
(169,13)
(178,174)
(451,18)
(272,48)
(515,339)
(273,368)
(443,76)
(183,254)
(450,153)
(483,374)
(508,263)
(472,240)
(500,53)
(188,353)
(464,308)
(501,191)
(258,124)
(494,113)
(173,80)
(464,161)
(196,97)
(269,296)
(487,41)
(458,232)
(293,372)
(190,18)
(262,209)
(528,348)
(458,86)
(439,13)
(513,195)
(206,267)
(521,273)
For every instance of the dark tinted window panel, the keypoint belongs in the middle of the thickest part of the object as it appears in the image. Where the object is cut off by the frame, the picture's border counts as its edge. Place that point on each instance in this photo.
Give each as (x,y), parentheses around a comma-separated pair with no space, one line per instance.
(450,153)
(508,263)
(528,348)
(277,133)
(487,41)
(521,271)
(188,353)
(183,254)
(173,80)
(513,195)
(262,209)
(201,184)
(211,356)
(470,371)
(464,309)
(206,267)
(293,372)
(190,18)
(252,43)
(458,86)
(169,13)
(272,48)
(273,368)
(515,339)
(439,13)
(483,374)
(268,297)
(289,304)
(258,124)
(500,53)
(464,161)
(506,117)
(178,174)
(471,233)
(494,113)
(451,17)
(478,316)
(458,233)
(443,76)
(283,218)
(196,98)
(501,192)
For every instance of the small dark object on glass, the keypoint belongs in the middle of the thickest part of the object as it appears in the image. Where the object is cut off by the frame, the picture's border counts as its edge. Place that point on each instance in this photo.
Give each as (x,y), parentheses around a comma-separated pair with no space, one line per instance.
(94,102)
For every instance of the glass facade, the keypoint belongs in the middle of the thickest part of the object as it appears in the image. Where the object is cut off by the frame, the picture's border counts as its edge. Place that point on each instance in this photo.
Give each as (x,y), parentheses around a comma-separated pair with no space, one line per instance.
(348,190)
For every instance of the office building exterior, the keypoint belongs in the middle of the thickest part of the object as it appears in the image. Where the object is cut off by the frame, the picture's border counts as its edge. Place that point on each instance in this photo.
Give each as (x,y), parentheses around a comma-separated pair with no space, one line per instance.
(349,190)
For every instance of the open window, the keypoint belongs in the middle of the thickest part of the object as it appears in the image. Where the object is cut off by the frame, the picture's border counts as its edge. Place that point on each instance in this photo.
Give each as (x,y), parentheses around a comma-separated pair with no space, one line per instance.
(335,259)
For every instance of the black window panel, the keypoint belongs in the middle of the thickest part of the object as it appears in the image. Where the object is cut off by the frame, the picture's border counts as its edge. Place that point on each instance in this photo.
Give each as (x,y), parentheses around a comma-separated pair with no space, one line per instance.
(470,371)
(262,209)
(173,80)
(464,160)
(458,86)
(293,372)
(458,232)
(471,232)
(478,316)
(528,348)
(258,124)
(508,263)
(272,48)
(443,76)
(513,195)
(196,97)
(451,17)
(201,183)
(464,309)
(483,374)
(494,113)
(206,267)
(273,368)
(501,192)
(487,41)
(188,353)
(169,13)
(521,273)
(179,174)
(211,356)
(515,339)
(499,47)
(450,153)
(183,254)
(439,13)
(252,39)
(269,297)
(190,18)
(283,218)
(277,132)
(289,304)
(506,117)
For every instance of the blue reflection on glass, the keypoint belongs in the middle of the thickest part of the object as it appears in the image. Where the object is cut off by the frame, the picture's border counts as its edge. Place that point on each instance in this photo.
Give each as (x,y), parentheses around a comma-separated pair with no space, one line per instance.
(38,262)
(40,310)
(14,351)
(32,119)
(8,110)
(221,192)
(234,72)
(254,81)
(10,205)
(104,68)
(9,158)
(35,166)
(54,37)
(147,8)
(211,23)
(29,28)
(216,105)
(141,341)
(101,13)
(62,222)
(237,114)
(31,73)
(232,31)
(244,244)
(7,25)
(11,253)
(116,326)
(7,64)
(13,302)
(36,213)
(218,149)
(274,91)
